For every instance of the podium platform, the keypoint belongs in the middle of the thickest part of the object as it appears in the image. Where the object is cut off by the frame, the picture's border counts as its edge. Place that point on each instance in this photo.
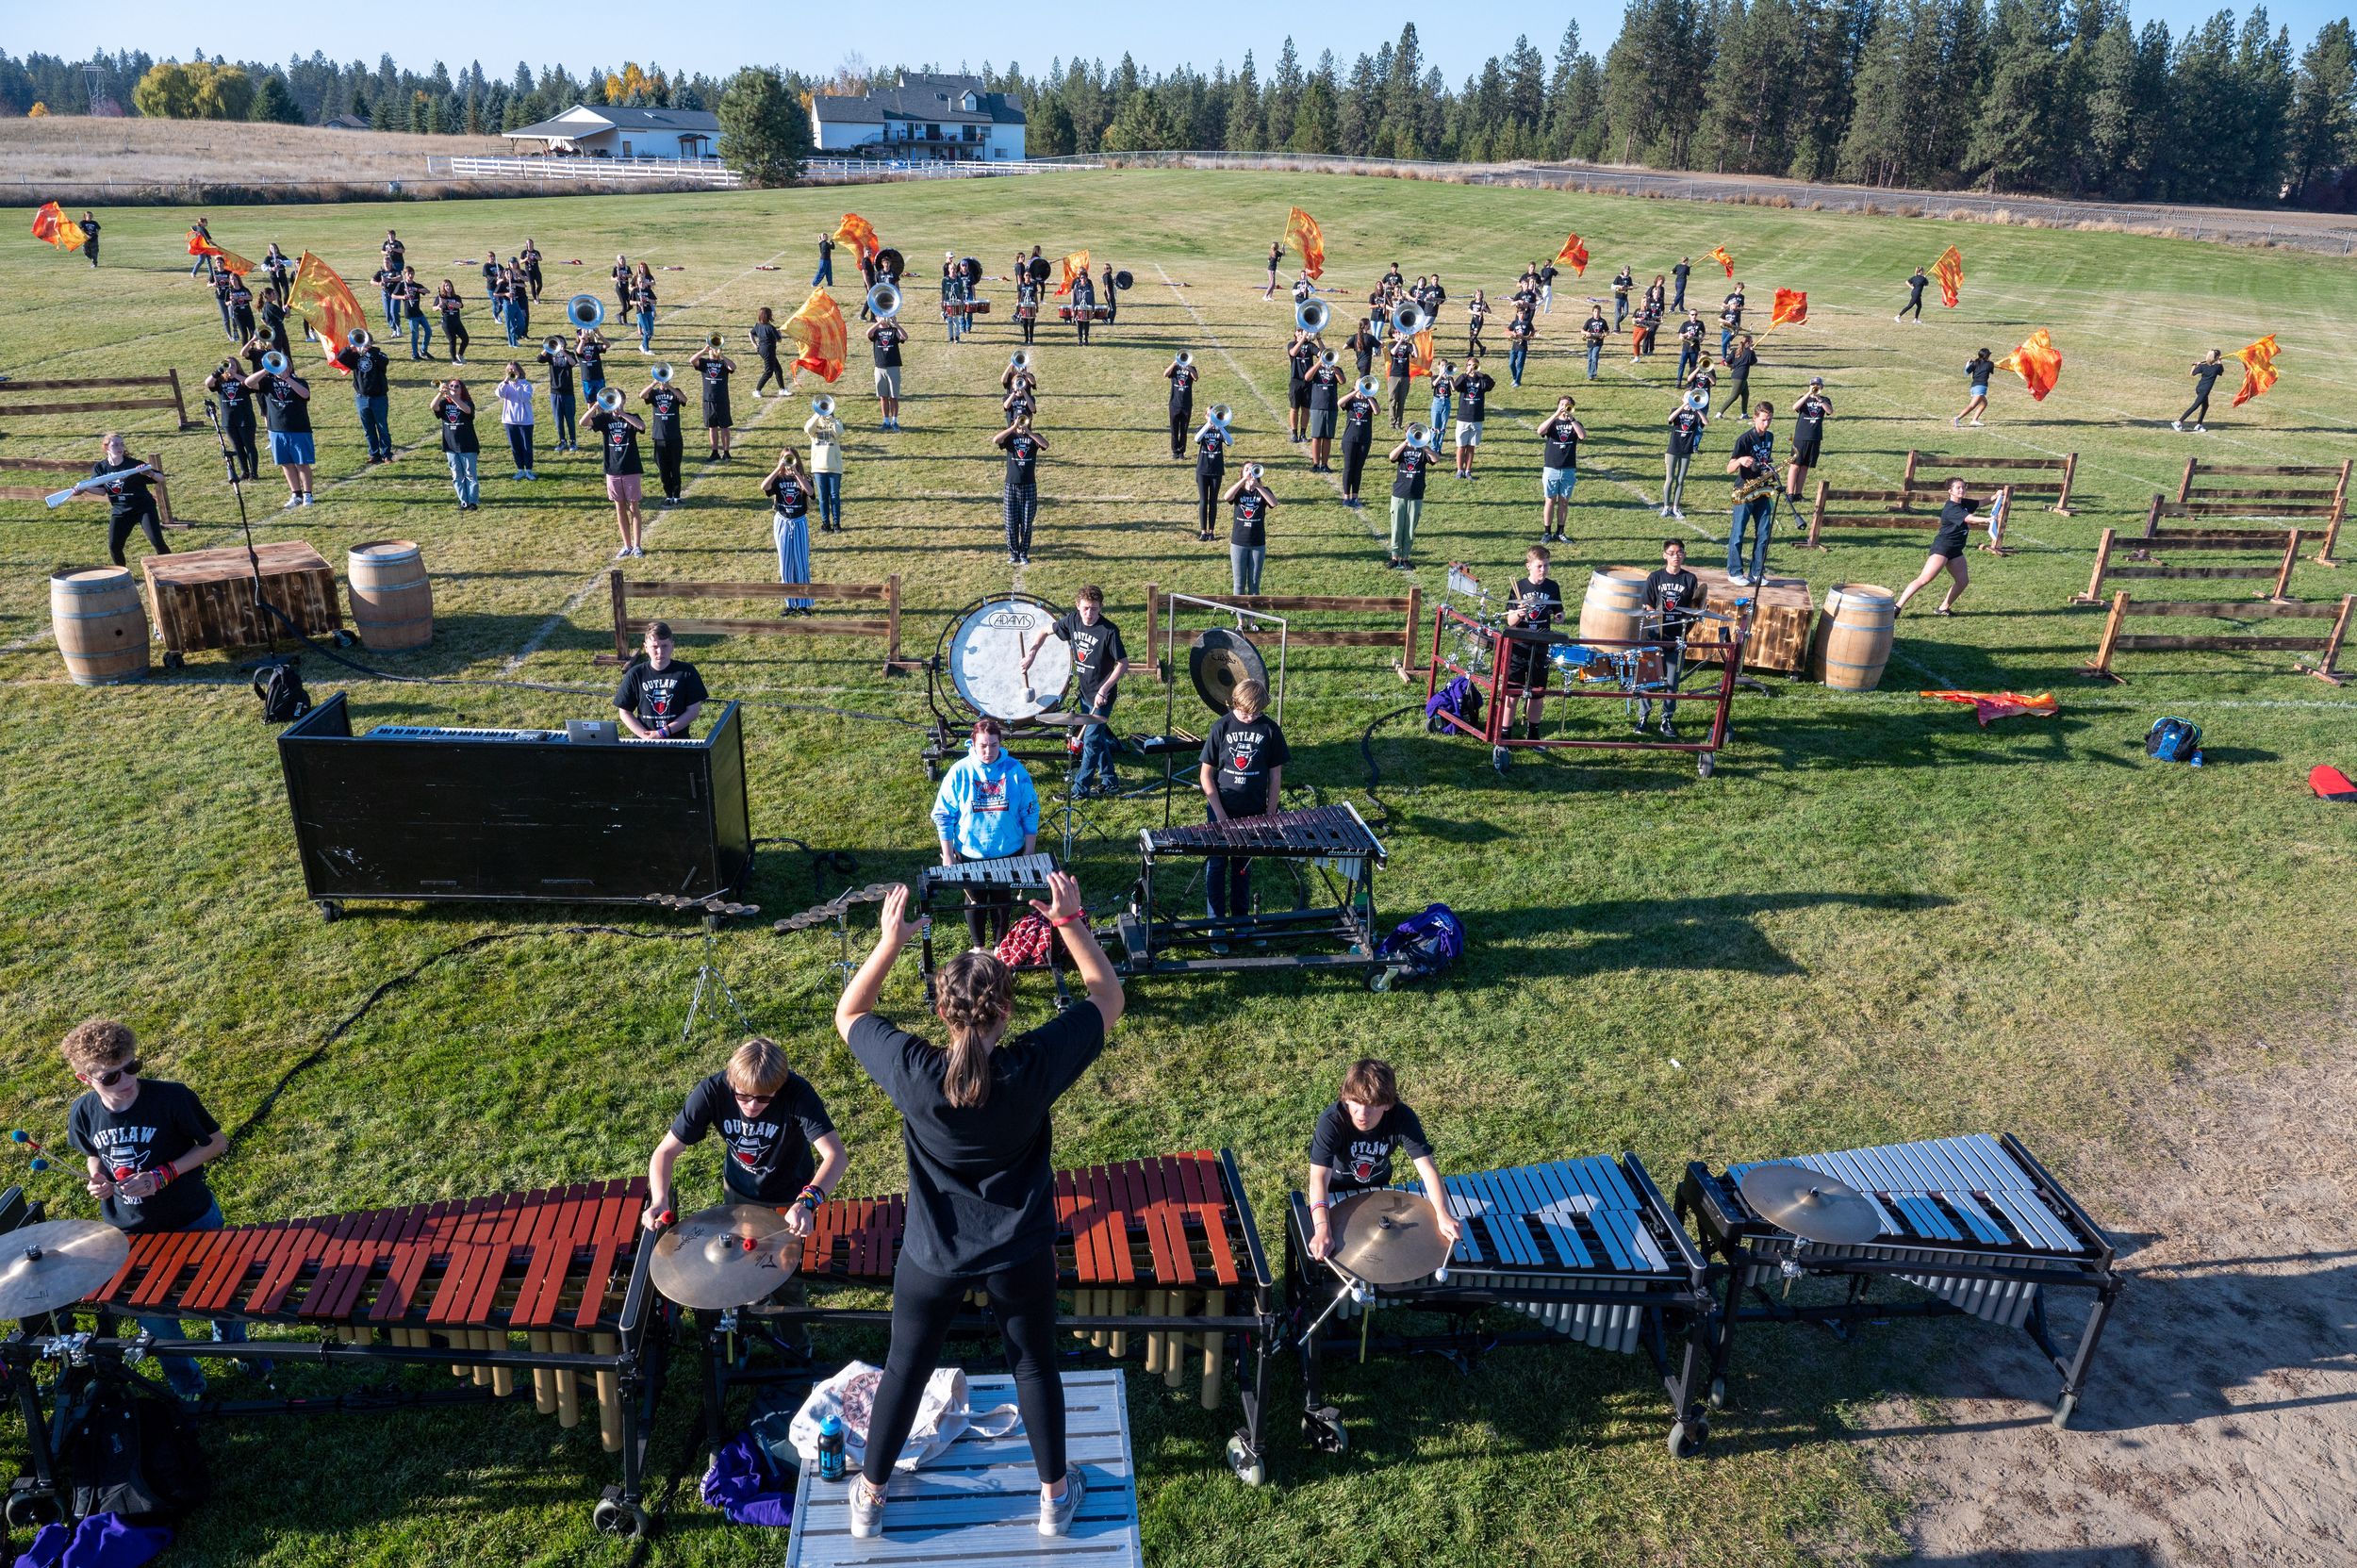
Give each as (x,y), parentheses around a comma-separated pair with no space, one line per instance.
(978,1503)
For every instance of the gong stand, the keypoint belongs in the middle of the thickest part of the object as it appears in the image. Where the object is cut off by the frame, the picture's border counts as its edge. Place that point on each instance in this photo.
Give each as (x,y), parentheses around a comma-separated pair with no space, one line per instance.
(1213,696)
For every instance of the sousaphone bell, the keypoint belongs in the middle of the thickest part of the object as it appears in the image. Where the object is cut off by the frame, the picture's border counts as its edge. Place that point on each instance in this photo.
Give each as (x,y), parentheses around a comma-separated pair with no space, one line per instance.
(586,311)
(1310,316)
(1408,319)
(884,301)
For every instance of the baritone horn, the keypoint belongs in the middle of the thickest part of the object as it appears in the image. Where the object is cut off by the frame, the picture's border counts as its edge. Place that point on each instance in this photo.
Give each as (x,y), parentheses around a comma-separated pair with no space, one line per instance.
(1220,414)
(586,311)
(610,399)
(884,301)
(822,407)
(1184,359)
(1366,386)
(1310,316)
(1019,362)
(275,362)
(1408,320)
(1419,435)
(661,374)
(359,339)
(551,344)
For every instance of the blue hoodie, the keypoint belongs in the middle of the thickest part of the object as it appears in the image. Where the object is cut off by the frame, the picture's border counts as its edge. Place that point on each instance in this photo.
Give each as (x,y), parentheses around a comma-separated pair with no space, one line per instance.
(987,810)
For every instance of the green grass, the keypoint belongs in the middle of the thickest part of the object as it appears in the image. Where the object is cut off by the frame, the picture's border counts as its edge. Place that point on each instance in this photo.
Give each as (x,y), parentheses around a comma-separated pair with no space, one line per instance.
(1876,922)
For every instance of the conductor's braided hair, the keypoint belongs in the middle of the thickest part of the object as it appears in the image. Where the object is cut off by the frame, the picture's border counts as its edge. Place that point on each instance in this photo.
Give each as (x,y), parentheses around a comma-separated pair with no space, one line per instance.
(974,997)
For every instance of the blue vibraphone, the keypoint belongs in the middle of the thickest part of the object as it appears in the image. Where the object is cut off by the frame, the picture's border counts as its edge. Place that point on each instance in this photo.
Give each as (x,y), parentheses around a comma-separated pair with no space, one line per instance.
(1975,1222)
(1587,1248)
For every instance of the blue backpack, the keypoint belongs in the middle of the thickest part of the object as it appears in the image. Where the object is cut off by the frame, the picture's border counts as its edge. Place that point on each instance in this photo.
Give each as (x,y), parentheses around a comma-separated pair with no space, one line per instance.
(2174,741)
(1425,944)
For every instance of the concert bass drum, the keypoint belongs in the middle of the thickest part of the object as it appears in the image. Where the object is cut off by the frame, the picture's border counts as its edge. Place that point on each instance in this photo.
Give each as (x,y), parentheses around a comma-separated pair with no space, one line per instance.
(982,652)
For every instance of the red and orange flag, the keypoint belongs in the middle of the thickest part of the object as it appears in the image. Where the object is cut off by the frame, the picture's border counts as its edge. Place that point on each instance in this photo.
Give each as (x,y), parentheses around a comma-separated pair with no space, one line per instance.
(2258,369)
(2038,362)
(1574,253)
(231,260)
(2001,705)
(1791,308)
(1420,356)
(1076,265)
(857,231)
(819,329)
(1949,269)
(52,224)
(1303,234)
(1719,254)
(321,299)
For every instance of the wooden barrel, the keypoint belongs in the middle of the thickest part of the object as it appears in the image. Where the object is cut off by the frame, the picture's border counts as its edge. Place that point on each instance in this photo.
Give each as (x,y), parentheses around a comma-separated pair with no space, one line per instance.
(1609,610)
(100,625)
(1852,641)
(392,604)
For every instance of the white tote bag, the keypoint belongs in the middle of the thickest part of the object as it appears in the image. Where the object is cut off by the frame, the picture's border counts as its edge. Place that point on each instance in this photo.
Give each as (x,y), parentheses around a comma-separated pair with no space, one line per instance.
(942,1417)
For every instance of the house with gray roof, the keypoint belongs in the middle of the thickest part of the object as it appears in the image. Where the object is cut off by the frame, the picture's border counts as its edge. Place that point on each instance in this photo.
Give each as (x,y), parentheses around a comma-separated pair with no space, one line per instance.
(610,131)
(920,116)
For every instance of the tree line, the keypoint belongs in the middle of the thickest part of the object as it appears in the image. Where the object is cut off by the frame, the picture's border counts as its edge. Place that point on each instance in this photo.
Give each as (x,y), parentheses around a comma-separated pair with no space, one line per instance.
(2067,97)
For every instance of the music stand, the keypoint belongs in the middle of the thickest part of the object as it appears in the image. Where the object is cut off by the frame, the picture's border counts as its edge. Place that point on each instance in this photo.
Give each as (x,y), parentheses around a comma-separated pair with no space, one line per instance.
(1170,666)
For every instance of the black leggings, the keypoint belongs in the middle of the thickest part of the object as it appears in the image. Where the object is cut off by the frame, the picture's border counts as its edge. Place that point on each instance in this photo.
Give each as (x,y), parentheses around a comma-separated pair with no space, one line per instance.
(1354,464)
(667,459)
(1399,400)
(241,444)
(769,366)
(454,333)
(119,528)
(1915,304)
(1179,420)
(1207,488)
(2196,411)
(1023,1298)
(1031,325)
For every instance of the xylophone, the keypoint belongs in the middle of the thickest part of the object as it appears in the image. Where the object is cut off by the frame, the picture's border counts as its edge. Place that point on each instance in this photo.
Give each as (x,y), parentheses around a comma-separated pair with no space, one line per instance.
(1589,1249)
(1974,1221)
(1332,842)
(1010,874)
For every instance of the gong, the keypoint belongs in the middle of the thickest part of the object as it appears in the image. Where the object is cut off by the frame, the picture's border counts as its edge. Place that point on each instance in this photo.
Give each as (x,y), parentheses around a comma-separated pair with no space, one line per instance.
(1219,661)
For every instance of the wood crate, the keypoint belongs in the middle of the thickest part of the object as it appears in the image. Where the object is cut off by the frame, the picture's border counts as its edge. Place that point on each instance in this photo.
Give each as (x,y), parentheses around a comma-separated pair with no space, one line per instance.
(204,599)
(1782,615)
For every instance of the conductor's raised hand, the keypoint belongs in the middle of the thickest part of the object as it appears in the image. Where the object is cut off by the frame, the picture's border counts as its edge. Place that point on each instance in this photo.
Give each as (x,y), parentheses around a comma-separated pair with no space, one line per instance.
(895,916)
(1064,897)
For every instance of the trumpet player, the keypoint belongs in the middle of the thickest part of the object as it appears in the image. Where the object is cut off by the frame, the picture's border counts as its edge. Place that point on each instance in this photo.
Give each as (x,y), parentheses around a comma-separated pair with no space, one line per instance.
(1410,459)
(1211,470)
(1400,359)
(286,400)
(1022,446)
(562,362)
(1358,415)
(885,338)
(1181,375)
(1247,538)
(788,487)
(665,403)
(1325,393)
(1301,356)
(1558,469)
(715,367)
(1753,465)
(454,410)
(1022,395)
(825,432)
(366,365)
(227,383)
(617,431)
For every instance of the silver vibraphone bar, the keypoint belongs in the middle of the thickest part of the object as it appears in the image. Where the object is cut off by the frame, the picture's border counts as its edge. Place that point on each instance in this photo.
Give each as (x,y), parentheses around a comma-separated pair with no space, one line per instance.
(1974,1221)
(1006,871)
(1589,1249)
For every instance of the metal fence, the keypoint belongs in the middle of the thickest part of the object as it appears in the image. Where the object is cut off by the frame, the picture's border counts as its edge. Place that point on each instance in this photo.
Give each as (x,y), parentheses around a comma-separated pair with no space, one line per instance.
(717,175)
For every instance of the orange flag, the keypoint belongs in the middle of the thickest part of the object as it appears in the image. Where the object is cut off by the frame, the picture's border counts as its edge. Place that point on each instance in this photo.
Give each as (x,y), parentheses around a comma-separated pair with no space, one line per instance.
(1790,309)
(1420,361)
(199,245)
(2258,369)
(51,224)
(2038,362)
(1574,253)
(820,328)
(321,299)
(1074,266)
(857,231)
(1949,269)
(1303,234)
(1719,254)
(2001,705)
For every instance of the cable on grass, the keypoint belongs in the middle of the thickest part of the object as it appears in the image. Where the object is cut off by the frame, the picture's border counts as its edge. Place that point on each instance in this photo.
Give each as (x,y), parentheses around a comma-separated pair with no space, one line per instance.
(1375,774)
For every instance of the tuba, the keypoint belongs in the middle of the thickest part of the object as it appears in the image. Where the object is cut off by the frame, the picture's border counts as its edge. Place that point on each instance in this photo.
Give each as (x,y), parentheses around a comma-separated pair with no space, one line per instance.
(610,399)
(275,362)
(661,374)
(1310,316)
(884,301)
(822,407)
(1408,319)
(586,311)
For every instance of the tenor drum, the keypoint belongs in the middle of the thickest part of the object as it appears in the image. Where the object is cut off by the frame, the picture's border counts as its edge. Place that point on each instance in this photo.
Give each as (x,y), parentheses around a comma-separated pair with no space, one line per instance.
(1853,642)
(983,656)
(100,625)
(392,603)
(1612,609)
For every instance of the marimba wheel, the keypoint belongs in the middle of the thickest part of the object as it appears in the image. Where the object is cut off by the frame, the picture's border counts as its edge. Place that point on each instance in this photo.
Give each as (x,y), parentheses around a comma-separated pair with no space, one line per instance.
(1703,763)
(1499,758)
(615,1517)
(1685,1442)
(1322,1428)
(1245,1462)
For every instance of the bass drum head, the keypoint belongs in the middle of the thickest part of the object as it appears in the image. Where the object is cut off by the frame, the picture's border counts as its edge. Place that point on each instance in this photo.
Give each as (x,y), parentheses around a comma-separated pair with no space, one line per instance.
(984,654)
(1219,661)
(891,263)
(1040,269)
(972,267)
(1123,280)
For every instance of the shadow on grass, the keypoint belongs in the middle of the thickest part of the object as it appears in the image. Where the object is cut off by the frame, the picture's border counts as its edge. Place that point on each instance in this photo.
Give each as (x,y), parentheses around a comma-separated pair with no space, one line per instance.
(1721,933)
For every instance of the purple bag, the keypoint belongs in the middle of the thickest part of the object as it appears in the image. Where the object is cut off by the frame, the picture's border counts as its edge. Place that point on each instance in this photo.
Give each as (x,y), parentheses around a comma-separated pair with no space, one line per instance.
(101,1541)
(738,1484)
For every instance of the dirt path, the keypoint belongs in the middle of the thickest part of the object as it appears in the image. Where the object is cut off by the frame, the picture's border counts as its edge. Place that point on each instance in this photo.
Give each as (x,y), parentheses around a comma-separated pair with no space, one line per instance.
(2220,1422)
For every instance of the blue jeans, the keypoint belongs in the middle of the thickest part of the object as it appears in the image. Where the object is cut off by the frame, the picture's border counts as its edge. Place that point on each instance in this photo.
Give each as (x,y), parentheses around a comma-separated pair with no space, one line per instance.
(420,338)
(561,403)
(825,275)
(1097,754)
(392,311)
(1595,353)
(1245,562)
(1440,418)
(374,424)
(1515,356)
(1726,341)
(462,476)
(829,499)
(592,382)
(1761,515)
(1620,311)
(792,537)
(227,325)
(199,265)
(1227,882)
(646,329)
(181,1372)
(1688,355)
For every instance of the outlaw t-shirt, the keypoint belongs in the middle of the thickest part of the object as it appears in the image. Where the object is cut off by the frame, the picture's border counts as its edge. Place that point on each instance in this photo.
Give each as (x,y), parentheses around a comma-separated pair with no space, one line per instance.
(1300,358)
(665,404)
(165,1122)
(1181,389)
(1325,388)
(1475,390)
(1403,354)
(458,425)
(1023,450)
(1546,594)
(1686,429)
(619,439)
(1210,451)
(886,345)
(1251,525)
(1095,650)
(284,408)
(1809,419)
(769,1158)
(127,492)
(1758,445)
(1357,1162)
(1409,484)
(981,1193)
(788,496)
(1241,751)
(1674,597)
(660,696)
(1562,439)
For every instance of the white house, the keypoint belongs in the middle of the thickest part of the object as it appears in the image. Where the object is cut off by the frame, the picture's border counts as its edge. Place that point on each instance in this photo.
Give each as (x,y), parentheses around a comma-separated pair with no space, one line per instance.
(606,131)
(921,117)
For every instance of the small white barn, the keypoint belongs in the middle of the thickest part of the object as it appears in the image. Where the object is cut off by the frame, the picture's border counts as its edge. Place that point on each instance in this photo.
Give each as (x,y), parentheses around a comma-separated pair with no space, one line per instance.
(607,131)
(951,117)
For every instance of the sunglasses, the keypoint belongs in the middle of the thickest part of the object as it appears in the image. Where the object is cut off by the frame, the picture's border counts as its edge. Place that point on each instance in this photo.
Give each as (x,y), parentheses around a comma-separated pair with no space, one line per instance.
(753,1100)
(113,1076)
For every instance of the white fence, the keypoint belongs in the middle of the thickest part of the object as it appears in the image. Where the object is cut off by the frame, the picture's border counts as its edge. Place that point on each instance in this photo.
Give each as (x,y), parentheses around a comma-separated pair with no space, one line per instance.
(713,172)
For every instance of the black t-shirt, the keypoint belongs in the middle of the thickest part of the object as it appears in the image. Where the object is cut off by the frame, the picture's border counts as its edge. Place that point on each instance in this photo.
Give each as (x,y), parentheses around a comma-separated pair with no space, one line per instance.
(1362,345)
(165,1122)
(619,439)
(1549,595)
(1978,372)
(395,257)
(458,425)
(1686,429)
(413,300)
(716,373)
(1595,327)
(1251,524)
(1809,419)
(886,345)
(1359,422)
(1915,286)
(788,495)
(1955,522)
(1023,450)
(1211,451)
(593,356)
(1095,650)
(1407,485)
(1690,330)
(368,370)
(1240,753)
(1731,310)
(1759,445)
(1562,436)
(452,308)
(1546,274)
(1475,390)
(1403,354)
(1300,358)
(1740,362)
(665,403)
(1671,596)
(766,337)
(660,696)
(236,402)
(1356,1161)
(286,411)
(129,493)
(560,373)
(769,1158)
(2205,376)
(1623,281)
(1325,388)
(1183,387)
(982,1191)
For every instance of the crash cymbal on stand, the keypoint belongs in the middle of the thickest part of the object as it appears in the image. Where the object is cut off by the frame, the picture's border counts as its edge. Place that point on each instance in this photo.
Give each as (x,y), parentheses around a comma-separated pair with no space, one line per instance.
(1387,1238)
(55,1264)
(1811,1205)
(727,1257)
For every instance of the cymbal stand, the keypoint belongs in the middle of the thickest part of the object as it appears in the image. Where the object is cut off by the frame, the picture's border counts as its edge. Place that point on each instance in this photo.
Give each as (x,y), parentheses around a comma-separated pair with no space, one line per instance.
(708,973)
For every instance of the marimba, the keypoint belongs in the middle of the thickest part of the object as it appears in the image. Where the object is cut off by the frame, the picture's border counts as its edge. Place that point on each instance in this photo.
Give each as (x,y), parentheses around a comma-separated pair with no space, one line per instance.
(550,1282)
(1589,1249)
(1974,1221)
(1330,843)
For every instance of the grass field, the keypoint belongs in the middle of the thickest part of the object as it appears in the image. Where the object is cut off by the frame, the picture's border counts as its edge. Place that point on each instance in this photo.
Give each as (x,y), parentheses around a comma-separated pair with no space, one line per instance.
(1876,921)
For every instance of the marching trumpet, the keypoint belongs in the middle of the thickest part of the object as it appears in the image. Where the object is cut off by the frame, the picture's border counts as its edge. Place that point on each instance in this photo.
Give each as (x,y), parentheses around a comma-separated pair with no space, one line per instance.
(1184,360)
(586,311)
(1019,362)
(275,362)
(1366,386)
(822,407)
(1408,320)
(661,374)
(1310,316)
(884,301)
(610,400)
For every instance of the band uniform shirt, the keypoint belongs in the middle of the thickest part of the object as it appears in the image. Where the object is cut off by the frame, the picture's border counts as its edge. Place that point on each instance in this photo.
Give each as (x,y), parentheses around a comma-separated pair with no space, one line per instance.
(1023,450)
(1596,328)
(287,413)
(1210,452)
(413,300)
(1403,354)
(126,495)
(1250,528)
(162,1124)
(716,386)
(1182,388)
(1562,436)
(886,345)
(1241,752)
(237,403)
(1687,423)
(1731,310)
(1809,424)
(458,425)
(593,356)
(560,366)
(660,696)
(1623,281)
(1094,652)
(1670,600)
(1301,358)
(1690,331)
(1542,602)
(619,439)
(766,337)
(1955,522)
(666,403)
(1326,388)
(1760,446)
(985,810)
(1359,423)
(1362,344)
(1473,387)
(1407,485)
(2205,376)
(1681,272)
(981,1181)
(788,496)
(368,368)
(1359,1161)
(769,1158)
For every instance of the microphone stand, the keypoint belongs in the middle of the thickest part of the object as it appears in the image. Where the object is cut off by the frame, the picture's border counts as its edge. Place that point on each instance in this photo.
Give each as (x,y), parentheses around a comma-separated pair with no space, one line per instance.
(263,610)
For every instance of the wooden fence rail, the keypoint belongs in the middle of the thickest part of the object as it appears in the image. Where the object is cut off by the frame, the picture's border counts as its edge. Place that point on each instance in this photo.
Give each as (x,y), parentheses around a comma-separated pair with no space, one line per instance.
(2064,468)
(1408,605)
(2286,541)
(2327,648)
(169,382)
(2198,497)
(628,628)
(1897,511)
(80,470)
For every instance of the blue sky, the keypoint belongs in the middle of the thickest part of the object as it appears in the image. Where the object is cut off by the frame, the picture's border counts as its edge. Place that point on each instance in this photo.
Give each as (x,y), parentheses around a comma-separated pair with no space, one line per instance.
(1457,36)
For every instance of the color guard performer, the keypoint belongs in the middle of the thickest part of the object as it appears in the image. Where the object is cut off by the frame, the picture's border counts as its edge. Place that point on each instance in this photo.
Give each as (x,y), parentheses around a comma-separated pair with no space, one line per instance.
(1946,555)
(130,502)
(1977,375)
(1915,296)
(2205,375)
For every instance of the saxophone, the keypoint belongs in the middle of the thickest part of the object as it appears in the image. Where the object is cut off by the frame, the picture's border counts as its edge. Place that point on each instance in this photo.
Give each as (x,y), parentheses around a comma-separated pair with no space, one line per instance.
(1763,482)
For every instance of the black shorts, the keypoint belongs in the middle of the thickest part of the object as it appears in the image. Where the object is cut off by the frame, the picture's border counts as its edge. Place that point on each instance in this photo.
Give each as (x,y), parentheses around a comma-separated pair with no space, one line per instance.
(1300,390)
(1526,665)
(1805,452)
(1948,544)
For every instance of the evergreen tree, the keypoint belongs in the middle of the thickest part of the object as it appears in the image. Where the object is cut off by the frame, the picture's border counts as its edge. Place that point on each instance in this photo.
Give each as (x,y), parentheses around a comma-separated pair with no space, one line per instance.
(2020,139)
(1283,94)
(1316,117)
(1401,131)
(1242,133)
(274,102)
(2323,132)
(765,133)
(1748,94)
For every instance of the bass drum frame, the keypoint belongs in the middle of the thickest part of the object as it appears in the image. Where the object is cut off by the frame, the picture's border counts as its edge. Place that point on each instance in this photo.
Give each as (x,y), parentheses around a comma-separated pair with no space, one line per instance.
(956,705)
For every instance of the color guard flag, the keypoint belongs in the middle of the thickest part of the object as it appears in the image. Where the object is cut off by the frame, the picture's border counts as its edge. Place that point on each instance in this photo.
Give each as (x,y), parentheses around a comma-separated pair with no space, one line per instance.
(857,231)
(321,299)
(1574,253)
(2258,369)
(231,260)
(1075,266)
(2038,362)
(1419,360)
(819,329)
(1719,254)
(1790,309)
(2001,705)
(52,224)
(1303,234)
(1949,269)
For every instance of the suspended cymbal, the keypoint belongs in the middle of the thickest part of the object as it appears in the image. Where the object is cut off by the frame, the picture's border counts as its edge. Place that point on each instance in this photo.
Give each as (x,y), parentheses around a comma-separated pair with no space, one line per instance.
(727,1257)
(1387,1238)
(1069,721)
(1811,1205)
(1219,662)
(54,1264)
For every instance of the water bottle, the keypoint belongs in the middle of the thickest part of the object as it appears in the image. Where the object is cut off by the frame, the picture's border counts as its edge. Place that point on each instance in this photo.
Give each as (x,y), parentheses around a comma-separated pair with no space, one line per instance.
(831,1448)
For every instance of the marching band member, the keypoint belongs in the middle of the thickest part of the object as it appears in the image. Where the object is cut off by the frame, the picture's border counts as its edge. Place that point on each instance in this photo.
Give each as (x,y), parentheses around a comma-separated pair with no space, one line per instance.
(273,312)
(454,409)
(1730,319)
(389,283)
(2205,375)
(1672,600)
(617,430)
(1518,335)
(413,296)
(1560,468)
(1686,422)
(1754,456)
(788,487)
(642,301)
(1350,1150)
(203,232)
(660,699)
(1022,397)
(90,239)
(515,395)
(1083,305)
(130,502)
(1476,317)
(1211,468)
(1326,392)
(224,281)
(1809,435)
(1689,344)
(519,306)
(1358,411)
(1113,296)
(622,274)
(1399,357)
(986,809)
(826,467)
(494,283)
(395,253)
(448,304)
(665,403)
(1594,329)
(1679,274)
(287,405)
(1946,555)
(1623,281)
(1300,355)
(1099,660)
(366,366)
(954,320)
(1537,606)
(1242,773)
(715,368)
(561,362)
(1362,344)
(824,276)
(982,1212)
(1275,257)
(886,336)
(1022,446)
(779,1148)
(1977,376)
(1444,398)
(766,337)
(1027,307)
(1410,459)
(227,384)
(1915,280)
(1473,390)
(1648,325)
(1181,375)
(589,347)
(1247,538)
(1546,288)
(281,271)
(530,256)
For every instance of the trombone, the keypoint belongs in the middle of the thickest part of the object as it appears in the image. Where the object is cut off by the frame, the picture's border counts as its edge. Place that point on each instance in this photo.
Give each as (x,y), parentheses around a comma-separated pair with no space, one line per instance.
(884,301)
(586,311)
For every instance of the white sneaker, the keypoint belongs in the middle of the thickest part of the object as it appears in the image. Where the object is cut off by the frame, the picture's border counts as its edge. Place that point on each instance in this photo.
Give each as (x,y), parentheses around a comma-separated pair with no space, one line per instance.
(1665,511)
(307,498)
(868,1505)
(758,392)
(1676,516)
(1056,1513)
(1740,579)
(624,553)
(2201,430)
(2176,424)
